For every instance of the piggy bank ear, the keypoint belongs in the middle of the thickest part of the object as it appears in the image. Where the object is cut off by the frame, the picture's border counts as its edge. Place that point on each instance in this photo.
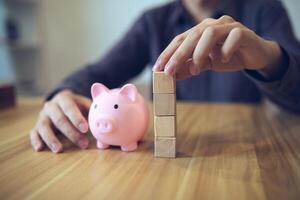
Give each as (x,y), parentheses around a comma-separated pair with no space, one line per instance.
(98,88)
(129,91)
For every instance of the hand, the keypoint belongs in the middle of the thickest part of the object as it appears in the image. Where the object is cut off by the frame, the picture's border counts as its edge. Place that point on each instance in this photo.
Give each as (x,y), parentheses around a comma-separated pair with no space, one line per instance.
(64,113)
(220,45)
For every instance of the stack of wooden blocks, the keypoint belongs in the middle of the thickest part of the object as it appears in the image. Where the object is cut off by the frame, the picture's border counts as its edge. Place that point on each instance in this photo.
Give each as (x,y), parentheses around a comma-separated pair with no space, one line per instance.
(164,103)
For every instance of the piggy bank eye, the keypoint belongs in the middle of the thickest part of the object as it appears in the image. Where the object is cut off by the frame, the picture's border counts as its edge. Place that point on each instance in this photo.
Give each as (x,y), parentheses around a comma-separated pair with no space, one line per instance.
(95,106)
(116,106)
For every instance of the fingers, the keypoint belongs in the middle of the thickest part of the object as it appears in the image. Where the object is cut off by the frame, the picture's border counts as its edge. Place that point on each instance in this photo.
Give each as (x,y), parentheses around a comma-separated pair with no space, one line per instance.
(168,52)
(62,112)
(47,135)
(183,52)
(196,70)
(187,69)
(62,123)
(36,142)
(83,102)
(210,38)
(184,71)
(181,48)
(198,44)
(232,43)
(199,49)
(71,110)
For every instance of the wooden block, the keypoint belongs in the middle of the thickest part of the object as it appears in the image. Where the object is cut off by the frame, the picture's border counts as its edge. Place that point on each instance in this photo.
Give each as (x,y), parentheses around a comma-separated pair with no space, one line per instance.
(163,83)
(165,126)
(165,147)
(164,104)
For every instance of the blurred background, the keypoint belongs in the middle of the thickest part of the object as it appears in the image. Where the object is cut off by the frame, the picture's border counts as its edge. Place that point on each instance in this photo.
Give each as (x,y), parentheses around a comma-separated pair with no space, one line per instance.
(42,41)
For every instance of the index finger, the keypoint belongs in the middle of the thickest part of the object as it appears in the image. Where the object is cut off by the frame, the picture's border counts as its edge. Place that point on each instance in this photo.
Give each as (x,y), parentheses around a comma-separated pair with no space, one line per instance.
(83,102)
(165,56)
(72,111)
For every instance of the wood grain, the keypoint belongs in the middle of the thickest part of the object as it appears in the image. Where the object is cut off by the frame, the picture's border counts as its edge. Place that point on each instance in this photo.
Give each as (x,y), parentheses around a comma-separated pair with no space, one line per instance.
(225,151)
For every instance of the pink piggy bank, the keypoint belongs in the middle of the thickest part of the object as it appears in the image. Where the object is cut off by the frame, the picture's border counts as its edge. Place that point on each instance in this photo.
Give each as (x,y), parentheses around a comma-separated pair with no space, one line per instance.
(118,116)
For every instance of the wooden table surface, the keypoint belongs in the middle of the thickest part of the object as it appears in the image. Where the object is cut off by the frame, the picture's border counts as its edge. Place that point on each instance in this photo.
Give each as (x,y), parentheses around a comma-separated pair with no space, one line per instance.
(225,151)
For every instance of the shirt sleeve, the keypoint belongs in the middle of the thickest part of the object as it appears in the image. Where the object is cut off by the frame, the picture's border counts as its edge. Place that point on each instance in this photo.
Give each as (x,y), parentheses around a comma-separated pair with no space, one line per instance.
(284,90)
(124,61)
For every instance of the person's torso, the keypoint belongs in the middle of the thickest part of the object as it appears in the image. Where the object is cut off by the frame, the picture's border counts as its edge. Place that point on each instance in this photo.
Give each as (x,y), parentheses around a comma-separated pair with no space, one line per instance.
(172,19)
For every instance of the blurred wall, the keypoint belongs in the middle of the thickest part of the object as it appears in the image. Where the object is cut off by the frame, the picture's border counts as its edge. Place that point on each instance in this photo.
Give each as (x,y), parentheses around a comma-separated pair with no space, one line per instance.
(79,32)
(293,7)
(6,68)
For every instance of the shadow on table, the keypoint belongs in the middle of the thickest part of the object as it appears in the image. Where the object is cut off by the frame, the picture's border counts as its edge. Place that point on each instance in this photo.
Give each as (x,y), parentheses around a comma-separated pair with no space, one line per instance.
(214,144)
(144,145)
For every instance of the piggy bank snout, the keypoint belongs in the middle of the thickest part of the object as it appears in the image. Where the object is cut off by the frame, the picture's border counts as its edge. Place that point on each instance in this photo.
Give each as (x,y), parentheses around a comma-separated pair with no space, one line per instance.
(105,125)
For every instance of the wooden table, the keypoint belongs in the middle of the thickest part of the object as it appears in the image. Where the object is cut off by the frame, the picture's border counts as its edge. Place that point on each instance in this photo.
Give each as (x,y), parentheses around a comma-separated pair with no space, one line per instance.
(225,151)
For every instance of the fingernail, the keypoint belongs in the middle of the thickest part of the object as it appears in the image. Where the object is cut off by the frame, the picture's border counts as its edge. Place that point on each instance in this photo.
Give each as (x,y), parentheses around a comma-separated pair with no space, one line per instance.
(55,147)
(37,147)
(157,65)
(34,145)
(169,68)
(83,127)
(83,143)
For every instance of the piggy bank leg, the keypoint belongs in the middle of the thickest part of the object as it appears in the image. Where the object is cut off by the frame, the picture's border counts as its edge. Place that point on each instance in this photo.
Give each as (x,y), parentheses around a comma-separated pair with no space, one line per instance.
(102,145)
(131,147)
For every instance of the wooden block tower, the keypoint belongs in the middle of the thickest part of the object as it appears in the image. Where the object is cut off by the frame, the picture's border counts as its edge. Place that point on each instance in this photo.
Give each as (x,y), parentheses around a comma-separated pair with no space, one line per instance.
(164,103)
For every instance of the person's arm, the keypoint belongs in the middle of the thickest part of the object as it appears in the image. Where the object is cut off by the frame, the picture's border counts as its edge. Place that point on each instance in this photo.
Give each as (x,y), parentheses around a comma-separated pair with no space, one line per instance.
(64,107)
(270,56)
(282,84)
(124,61)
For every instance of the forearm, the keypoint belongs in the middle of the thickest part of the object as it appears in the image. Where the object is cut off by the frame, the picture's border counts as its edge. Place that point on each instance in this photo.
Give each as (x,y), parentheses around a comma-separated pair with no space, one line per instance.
(124,61)
(284,89)
(277,62)
(280,80)
(79,82)
(113,70)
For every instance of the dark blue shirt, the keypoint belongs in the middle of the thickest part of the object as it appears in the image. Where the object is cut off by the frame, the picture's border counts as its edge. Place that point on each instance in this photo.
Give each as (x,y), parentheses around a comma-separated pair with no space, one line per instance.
(155,29)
